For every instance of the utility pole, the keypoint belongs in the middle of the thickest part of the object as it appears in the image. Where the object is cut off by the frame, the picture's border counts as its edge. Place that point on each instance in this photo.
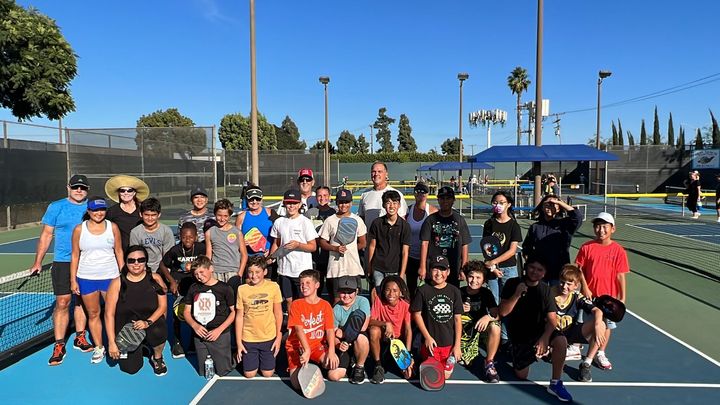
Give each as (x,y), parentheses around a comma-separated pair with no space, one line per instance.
(371,140)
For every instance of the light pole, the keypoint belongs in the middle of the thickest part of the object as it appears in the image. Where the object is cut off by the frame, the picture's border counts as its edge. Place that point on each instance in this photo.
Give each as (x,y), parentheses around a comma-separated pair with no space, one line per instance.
(538,100)
(326,160)
(461,77)
(601,75)
(254,156)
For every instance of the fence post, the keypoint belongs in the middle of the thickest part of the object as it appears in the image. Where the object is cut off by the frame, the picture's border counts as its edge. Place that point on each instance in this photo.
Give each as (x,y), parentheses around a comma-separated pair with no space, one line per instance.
(214,166)
(67,152)
(5,135)
(7,212)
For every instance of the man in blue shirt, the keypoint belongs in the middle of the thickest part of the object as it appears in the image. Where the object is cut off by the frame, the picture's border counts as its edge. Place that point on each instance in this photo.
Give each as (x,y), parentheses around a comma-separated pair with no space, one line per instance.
(59,220)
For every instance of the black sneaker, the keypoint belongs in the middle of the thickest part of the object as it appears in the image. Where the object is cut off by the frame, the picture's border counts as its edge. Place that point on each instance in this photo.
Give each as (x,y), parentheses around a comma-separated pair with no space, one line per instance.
(177,350)
(491,374)
(158,366)
(81,343)
(58,354)
(378,375)
(585,372)
(358,375)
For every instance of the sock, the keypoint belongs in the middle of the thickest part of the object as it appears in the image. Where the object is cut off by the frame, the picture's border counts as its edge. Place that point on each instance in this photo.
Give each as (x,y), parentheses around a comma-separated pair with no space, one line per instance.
(587,361)
(60,342)
(600,353)
(553,382)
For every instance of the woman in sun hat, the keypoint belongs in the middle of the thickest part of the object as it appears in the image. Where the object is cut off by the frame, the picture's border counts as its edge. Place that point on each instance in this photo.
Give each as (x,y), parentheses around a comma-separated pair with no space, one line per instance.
(128,192)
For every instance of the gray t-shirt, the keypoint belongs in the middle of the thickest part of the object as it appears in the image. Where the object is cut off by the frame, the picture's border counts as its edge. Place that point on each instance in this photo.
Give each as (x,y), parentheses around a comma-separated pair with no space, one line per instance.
(225,249)
(157,242)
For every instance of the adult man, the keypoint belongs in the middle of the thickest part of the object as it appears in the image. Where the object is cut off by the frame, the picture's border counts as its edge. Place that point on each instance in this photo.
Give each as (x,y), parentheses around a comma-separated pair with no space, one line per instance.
(198,214)
(305,182)
(59,220)
(371,205)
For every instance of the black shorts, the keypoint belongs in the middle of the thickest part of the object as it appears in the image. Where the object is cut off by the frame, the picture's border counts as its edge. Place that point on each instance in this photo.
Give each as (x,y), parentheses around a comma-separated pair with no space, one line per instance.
(573,334)
(259,356)
(290,287)
(523,355)
(184,280)
(60,274)
(344,358)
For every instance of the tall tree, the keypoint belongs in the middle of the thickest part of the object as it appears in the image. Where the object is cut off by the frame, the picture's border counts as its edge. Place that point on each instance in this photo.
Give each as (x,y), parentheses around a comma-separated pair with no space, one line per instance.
(699,140)
(614,134)
(37,64)
(631,140)
(288,136)
(671,132)
(681,138)
(620,133)
(363,145)
(518,82)
(235,133)
(715,132)
(656,129)
(643,134)
(320,145)
(347,143)
(451,146)
(406,142)
(165,133)
(384,136)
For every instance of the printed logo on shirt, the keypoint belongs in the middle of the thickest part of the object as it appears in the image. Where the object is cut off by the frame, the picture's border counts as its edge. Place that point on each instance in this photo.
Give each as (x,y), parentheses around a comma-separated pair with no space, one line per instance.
(152,241)
(445,235)
(500,236)
(312,326)
(232,237)
(110,241)
(441,308)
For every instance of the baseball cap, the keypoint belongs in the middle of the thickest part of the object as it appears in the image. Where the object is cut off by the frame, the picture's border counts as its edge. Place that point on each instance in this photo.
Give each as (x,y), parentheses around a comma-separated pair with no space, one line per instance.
(347,283)
(440,262)
(343,196)
(78,180)
(292,196)
(199,190)
(97,204)
(446,191)
(605,217)
(254,193)
(305,173)
(421,188)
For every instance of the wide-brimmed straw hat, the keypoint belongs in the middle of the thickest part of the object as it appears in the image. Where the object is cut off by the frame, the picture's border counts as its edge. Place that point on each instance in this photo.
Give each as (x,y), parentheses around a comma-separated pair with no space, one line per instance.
(116,182)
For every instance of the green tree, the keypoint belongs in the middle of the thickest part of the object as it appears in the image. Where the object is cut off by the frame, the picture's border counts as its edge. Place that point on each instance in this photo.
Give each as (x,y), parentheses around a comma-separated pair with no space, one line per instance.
(620,134)
(37,64)
(363,147)
(320,145)
(631,140)
(347,143)
(614,134)
(406,142)
(518,82)
(384,136)
(681,138)
(643,134)
(235,133)
(165,133)
(451,146)
(715,131)
(699,140)
(671,132)
(656,129)
(288,136)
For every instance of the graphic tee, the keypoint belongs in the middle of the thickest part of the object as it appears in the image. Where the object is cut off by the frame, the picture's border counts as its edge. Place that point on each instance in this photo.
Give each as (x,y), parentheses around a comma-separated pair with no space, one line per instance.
(507,232)
(257,303)
(438,308)
(314,319)
(446,236)
(210,304)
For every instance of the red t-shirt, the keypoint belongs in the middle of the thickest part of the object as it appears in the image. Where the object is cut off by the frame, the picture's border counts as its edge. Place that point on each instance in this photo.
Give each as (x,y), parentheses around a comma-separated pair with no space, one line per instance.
(314,318)
(601,265)
(396,315)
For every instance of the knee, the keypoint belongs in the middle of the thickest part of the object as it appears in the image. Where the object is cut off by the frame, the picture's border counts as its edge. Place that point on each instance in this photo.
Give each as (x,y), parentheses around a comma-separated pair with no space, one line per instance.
(374,332)
(336,375)
(267,373)
(62,303)
(559,343)
(522,374)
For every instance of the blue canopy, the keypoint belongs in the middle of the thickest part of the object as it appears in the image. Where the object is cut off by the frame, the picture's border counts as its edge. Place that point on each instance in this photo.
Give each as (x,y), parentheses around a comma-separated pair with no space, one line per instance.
(460,166)
(545,153)
(423,168)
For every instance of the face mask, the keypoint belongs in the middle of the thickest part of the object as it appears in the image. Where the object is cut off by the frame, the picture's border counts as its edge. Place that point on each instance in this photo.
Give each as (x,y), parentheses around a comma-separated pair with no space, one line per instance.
(498,209)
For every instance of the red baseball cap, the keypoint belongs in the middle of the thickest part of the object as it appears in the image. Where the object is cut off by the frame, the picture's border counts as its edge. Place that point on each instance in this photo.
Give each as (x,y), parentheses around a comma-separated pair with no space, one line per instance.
(305,173)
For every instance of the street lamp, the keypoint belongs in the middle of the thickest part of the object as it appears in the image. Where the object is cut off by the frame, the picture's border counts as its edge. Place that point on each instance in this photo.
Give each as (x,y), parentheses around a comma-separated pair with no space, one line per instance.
(462,76)
(326,160)
(601,75)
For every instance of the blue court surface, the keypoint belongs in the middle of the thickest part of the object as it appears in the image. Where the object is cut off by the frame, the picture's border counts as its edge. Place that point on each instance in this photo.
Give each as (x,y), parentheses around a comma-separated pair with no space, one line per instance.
(23,246)
(702,231)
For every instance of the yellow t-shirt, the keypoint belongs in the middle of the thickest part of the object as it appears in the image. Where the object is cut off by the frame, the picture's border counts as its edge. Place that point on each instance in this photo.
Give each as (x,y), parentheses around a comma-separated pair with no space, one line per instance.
(257,305)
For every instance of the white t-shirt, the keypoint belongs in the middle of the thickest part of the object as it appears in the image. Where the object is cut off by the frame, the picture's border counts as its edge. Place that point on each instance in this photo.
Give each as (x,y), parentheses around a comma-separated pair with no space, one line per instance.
(371,206)
(300,229)
(347,264)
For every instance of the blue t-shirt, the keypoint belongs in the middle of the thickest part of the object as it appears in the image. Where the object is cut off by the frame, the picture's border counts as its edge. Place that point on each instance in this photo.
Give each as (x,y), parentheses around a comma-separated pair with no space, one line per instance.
(63,216)
(341,315)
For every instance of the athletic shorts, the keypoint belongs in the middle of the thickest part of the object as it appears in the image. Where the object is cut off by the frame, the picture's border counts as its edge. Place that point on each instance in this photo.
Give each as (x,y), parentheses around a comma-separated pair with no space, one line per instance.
(60,273)
(290,287)
(224,276)
(293,355)
(523,355)
(573,334)
(440,353)
(91,286)
(259,356)
(379,276)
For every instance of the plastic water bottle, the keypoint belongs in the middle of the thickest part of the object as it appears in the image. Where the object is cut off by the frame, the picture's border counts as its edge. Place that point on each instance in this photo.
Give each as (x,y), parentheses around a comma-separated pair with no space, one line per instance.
(450,363)
(209,368)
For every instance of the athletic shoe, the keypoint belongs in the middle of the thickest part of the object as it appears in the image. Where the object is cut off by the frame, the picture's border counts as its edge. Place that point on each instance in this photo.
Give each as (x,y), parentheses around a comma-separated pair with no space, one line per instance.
(602,361)
(98,355)
(378,375)
(585,372)
(177,350)
(58,354)
(558,389)
(358,375)
(573,353)
(81,343)
(158,366)
(491,374)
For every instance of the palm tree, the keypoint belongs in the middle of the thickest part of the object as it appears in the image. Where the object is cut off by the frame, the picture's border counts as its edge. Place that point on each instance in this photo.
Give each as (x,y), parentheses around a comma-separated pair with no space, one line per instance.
(518,82)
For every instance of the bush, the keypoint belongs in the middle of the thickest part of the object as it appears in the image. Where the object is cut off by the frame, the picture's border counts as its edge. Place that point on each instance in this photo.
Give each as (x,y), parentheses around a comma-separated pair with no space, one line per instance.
(400,157)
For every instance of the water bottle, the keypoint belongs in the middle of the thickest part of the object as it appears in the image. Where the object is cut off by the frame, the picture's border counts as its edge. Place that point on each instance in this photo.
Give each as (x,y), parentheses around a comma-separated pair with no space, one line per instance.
(209,368)
(450,363)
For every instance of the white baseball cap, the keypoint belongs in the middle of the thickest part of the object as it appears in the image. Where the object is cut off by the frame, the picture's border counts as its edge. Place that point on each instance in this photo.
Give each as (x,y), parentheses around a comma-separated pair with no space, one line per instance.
(606,217)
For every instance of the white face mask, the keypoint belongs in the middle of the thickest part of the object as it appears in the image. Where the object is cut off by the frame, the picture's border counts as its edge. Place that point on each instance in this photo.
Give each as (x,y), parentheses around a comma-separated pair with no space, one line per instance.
(498,209)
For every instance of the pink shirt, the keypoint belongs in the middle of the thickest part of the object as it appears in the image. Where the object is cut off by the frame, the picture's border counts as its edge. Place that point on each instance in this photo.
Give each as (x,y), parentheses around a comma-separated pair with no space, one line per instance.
(396,315)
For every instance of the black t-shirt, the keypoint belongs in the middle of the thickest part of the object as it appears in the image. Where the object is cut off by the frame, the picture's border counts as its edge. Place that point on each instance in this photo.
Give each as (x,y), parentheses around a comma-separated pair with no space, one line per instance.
(178,258)
(125,222)
(438,308)
(446,237)
(389,242)
(480,303)
(224,299)
(526,322)
(507,233)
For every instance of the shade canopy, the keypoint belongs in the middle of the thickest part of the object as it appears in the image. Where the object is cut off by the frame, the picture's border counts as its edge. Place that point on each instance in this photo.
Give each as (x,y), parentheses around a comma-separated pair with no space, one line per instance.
(545,153)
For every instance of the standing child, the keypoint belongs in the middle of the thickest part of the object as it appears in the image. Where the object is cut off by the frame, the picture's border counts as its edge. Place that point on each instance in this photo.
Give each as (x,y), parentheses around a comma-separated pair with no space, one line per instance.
(717,196)
(437,310)
(258,320)
(349,302)
(210,310)
(604,264)
(321,256)
(389,319)
(480,319)
(225,245)
(312,336)
(155,237)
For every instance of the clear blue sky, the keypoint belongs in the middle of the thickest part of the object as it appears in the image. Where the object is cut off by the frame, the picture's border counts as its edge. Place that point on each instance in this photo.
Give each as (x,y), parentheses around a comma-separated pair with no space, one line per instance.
(136,57)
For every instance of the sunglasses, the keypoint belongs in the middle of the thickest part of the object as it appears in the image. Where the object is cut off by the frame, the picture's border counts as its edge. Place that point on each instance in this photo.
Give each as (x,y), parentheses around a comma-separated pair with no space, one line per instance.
(420,192)
(82,188)
(140,260)
(126,190)
(305,180)
(258,199)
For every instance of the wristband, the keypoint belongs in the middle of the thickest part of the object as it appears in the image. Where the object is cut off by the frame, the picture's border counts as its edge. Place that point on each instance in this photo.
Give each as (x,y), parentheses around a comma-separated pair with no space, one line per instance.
(149,322)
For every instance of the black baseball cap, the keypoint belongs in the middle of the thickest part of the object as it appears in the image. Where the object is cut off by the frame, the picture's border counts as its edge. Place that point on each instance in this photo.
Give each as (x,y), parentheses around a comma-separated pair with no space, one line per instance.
(199,190)
(446,191)
(292,196)
(78,180)
(343,196)
(440,262)
(347,283)
(421,188)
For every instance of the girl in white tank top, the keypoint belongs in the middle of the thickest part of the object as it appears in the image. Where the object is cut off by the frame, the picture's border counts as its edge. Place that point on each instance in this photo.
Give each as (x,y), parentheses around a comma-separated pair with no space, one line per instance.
(415,227)
(97,254)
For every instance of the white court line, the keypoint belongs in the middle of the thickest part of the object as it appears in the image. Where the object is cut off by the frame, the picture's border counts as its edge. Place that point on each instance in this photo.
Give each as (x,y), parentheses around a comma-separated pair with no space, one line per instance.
(668,233)
(204,390)
(21,240)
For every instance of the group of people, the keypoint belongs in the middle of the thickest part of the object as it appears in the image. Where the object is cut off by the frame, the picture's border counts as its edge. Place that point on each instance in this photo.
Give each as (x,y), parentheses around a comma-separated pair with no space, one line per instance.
(268,273)
(695,196)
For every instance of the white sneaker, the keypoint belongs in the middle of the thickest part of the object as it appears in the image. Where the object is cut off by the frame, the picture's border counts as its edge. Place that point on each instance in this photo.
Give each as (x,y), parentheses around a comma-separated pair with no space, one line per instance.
(573,353)
(98,355)
(602,361)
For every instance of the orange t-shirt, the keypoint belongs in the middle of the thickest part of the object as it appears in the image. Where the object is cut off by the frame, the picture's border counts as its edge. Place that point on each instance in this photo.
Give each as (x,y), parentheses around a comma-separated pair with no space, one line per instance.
(314,318)
(601,265)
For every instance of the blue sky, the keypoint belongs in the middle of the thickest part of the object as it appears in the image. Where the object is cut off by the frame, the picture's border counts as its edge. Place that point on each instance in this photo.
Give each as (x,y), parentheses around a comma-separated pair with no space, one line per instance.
(136,57)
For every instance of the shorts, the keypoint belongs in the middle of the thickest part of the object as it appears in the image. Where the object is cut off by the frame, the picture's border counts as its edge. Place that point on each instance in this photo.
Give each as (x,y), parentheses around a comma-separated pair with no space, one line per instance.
(91,286)
(440,353)
(573,334)
(224,276)
(317,355)
(60,274)
(379,276)
(290,287)
(184,280)
(523,355)
(259,356)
